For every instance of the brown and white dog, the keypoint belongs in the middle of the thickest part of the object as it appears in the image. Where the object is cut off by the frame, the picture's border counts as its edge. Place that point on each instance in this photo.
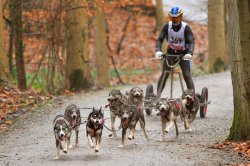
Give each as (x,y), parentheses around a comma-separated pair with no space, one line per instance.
(132,113)
(116,99)
(62,134)
(169,110)
(72,115)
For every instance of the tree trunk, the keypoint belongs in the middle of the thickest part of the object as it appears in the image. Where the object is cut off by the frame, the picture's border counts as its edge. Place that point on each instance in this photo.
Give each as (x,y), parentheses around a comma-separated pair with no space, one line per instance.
(18,34)
(218,59)
(11,36)
(239,49)
(78,74)
(101,50)
(4,69)
(159,15)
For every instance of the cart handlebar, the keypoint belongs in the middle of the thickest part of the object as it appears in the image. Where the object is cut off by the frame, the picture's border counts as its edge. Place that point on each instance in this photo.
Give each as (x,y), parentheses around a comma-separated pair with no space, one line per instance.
(165,56)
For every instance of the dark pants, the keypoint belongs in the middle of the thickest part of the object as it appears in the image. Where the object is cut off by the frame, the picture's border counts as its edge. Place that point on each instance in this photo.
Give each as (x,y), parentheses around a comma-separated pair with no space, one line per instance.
(185,68)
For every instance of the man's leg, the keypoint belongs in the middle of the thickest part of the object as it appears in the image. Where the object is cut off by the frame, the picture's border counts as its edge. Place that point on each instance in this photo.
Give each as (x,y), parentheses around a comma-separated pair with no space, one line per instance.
(186,71)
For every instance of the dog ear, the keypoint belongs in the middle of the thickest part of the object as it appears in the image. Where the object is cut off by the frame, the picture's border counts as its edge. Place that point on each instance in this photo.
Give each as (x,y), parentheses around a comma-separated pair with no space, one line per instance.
(93,109)
(100,110)
(89,116)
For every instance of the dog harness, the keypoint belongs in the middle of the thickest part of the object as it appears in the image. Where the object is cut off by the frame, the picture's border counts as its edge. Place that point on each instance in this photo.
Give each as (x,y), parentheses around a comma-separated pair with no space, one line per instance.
(176,104)
(95,129)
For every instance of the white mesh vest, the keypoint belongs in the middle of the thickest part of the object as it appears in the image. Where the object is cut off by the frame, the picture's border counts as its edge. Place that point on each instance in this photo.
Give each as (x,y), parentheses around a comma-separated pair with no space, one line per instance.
(176,40)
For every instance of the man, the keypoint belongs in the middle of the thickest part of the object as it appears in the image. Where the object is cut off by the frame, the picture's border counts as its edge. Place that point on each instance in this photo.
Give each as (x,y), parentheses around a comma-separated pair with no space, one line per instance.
(180,41)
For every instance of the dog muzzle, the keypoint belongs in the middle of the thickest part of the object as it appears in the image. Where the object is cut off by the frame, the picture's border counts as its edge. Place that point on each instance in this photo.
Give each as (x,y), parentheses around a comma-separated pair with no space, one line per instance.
(124,122)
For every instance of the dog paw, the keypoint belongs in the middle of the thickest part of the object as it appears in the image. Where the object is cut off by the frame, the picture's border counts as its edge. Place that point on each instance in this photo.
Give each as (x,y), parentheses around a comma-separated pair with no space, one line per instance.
(56,158)
(120,146)
(166,131)
(130,137)
(160,140)
(70,146)
(112,135)
(65,151)
(189,130)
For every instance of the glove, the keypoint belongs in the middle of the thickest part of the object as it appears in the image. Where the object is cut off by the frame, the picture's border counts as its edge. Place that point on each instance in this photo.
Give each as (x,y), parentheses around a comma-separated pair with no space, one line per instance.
(158,55)
(187,57)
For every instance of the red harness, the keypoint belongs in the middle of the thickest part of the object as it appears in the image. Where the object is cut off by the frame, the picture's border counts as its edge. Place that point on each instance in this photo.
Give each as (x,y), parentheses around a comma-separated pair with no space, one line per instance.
(95,129)
(176,104)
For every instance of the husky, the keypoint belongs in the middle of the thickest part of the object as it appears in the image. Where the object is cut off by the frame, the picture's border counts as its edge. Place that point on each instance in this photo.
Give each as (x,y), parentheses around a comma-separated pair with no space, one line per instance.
(116,99)
(131,113)
(94,128)
(190,100)
(169,110)
(72,115)
(62,134)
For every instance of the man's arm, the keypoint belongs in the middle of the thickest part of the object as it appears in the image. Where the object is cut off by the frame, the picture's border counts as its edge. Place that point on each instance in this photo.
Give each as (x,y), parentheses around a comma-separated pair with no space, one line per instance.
(163,34)
(189,38)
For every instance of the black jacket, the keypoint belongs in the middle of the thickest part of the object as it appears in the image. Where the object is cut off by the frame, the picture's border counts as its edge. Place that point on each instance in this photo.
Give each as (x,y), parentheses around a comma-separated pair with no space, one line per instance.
(189,39)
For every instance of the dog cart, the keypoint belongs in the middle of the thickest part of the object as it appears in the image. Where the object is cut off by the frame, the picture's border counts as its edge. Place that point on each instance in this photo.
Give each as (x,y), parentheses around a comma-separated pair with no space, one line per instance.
(151,98)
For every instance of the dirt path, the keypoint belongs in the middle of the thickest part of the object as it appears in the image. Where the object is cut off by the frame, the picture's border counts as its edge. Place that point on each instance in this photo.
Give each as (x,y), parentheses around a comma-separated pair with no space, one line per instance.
(30,141)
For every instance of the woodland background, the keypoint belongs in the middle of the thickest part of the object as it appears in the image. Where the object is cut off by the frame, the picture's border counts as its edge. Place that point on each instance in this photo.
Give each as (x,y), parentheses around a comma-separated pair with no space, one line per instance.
(51,47)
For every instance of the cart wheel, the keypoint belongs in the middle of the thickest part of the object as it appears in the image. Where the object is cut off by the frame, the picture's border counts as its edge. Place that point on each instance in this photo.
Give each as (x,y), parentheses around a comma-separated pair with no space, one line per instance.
(203,99)
(149,90)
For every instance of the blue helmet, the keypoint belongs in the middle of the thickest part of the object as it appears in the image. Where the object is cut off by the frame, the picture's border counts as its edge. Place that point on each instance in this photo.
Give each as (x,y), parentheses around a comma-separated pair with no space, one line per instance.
(175,12)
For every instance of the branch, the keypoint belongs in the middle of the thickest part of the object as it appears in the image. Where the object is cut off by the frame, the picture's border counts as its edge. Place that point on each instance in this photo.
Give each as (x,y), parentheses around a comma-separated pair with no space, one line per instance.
(110,53)
(7,20)
(123,34)
(38,68)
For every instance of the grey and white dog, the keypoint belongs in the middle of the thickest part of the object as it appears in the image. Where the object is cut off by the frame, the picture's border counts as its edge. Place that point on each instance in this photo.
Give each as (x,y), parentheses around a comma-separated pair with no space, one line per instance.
(169,110)
(62,134)
(73,116)
(94,128)
(131,113)
(116,99)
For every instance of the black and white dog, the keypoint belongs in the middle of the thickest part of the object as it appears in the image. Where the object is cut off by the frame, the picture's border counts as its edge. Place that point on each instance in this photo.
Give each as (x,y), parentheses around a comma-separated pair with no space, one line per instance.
(94,128)
(72,115)
(116,99)
(62,134)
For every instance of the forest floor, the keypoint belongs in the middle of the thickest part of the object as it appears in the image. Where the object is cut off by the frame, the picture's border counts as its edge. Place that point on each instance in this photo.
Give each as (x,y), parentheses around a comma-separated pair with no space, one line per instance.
(30,139)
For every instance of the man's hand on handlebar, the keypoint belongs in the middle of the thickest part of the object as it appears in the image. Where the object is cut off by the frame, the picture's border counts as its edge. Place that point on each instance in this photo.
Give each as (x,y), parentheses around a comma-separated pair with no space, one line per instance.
(158,55)
(187,57)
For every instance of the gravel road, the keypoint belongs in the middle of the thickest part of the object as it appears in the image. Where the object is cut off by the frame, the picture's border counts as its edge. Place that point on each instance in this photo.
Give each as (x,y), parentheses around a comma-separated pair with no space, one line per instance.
(30,141)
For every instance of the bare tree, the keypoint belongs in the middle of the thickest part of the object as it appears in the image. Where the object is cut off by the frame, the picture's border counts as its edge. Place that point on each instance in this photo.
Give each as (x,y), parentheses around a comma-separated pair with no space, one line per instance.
(101,50)
(19,49)
(77,49)
(239,50)
(4,70)
(159,15)
(218,59)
